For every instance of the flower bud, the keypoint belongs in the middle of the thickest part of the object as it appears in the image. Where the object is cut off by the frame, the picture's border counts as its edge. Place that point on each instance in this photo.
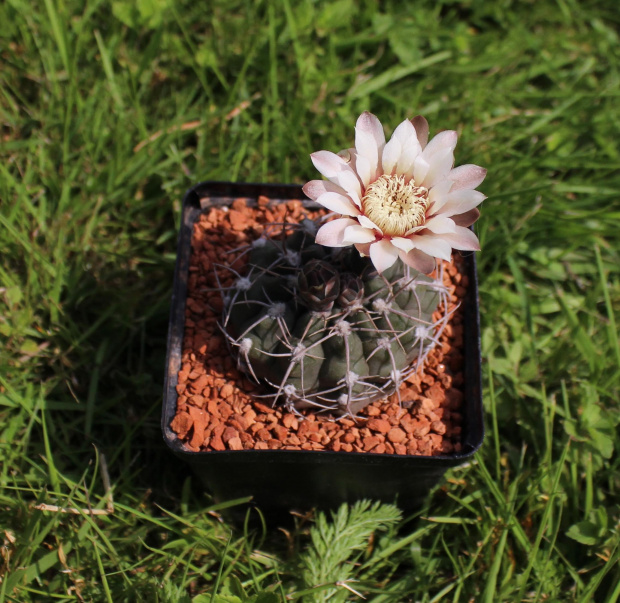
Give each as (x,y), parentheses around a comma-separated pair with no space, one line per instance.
(351,290)
(319,285)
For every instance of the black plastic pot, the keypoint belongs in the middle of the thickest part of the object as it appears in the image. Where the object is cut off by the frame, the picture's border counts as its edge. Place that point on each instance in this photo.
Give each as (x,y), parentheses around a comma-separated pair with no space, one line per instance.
(283,480)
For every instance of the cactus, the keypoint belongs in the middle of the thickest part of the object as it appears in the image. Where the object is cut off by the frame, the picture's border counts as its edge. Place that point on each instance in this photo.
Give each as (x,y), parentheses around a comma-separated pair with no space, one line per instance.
(322,328)
(338,328)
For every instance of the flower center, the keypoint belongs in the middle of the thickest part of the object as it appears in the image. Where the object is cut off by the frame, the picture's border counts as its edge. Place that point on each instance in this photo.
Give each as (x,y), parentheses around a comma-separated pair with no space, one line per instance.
(394,205)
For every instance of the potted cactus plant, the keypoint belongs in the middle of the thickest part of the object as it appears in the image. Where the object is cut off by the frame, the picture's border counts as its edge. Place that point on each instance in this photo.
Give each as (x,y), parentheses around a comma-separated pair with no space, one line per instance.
(329,314)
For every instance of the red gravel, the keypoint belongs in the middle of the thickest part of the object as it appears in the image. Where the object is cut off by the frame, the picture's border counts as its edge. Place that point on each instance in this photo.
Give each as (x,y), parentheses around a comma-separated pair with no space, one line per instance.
(215,408)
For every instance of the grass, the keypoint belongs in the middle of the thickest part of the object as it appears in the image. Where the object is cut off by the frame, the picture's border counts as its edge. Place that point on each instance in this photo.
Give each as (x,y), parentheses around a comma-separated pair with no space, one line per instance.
(109,111)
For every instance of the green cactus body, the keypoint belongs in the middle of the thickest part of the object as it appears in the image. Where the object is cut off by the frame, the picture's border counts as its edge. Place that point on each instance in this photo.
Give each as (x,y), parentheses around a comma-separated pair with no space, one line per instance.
(322,329)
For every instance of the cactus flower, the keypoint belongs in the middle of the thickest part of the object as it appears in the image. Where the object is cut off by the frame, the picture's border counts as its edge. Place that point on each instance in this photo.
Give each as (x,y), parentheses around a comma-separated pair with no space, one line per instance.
(400,199)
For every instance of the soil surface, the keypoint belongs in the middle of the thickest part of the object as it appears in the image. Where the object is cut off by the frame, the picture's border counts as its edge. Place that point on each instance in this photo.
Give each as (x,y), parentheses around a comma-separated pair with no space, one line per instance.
(215,408)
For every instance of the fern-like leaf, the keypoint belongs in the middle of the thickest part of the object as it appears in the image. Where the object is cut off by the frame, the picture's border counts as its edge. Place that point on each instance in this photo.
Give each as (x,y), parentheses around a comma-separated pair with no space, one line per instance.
(338,544)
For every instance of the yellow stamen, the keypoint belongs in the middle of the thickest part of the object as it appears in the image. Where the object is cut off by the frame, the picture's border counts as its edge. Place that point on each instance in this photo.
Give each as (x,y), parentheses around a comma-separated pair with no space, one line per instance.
(394,205)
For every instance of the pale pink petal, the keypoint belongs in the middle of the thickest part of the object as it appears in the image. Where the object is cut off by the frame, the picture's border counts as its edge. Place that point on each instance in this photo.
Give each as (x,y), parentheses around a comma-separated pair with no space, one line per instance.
(370,140)
(391,155)
(383,254)
(339,171)
(338,203)
(331,234)
(440,165)
(419,260)
(421,128)
(467,176)
(404,131)
(369,123)
(366,146)
(402,243)
(349,181)
(440,224)
(420,169)
(328,163)
(409,154)
(315,188)
(444,140)
(438,195)
(468,218)
(434,245)
(401,163)
(368,223)
(363,248)
(348,155)
(463,239)
(460,202)
(362,167)
(414,229)
(358,234)
(410,147)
